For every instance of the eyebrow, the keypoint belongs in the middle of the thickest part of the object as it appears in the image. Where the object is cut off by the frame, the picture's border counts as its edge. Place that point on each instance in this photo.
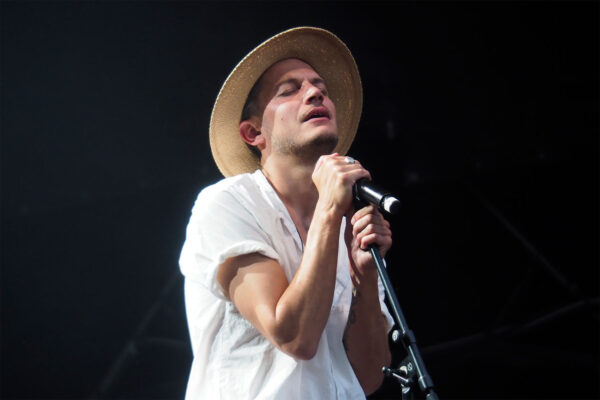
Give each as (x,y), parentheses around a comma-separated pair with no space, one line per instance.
(314,80)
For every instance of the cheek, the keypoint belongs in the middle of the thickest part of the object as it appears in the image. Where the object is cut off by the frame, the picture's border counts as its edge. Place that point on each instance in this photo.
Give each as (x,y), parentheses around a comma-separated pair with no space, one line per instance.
(285,113)
(268,118)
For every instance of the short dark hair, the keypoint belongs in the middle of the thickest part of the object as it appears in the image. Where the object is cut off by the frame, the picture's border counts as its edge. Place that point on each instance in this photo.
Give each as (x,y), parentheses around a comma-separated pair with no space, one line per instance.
(251,106)
(252,109)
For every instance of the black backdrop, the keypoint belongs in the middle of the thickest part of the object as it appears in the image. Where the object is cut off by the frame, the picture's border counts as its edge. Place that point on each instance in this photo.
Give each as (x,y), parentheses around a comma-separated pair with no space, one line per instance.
(481,117)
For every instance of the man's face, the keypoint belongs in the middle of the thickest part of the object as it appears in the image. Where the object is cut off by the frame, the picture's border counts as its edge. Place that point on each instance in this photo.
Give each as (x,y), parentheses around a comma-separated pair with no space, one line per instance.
(299,117)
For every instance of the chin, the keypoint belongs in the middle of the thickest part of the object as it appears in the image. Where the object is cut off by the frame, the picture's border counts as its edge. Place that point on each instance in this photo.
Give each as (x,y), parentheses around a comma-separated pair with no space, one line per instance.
(322,144)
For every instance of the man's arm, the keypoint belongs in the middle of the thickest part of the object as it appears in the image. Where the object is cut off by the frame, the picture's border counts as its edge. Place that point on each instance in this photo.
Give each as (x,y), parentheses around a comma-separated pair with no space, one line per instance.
(293,315)
(365,338)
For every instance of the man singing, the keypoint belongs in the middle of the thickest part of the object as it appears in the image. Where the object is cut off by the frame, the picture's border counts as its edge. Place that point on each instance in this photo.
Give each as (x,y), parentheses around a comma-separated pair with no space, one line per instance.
(282,300)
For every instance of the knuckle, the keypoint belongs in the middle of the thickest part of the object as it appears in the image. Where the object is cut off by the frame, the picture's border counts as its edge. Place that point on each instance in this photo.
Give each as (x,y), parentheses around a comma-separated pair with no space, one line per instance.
(346,179)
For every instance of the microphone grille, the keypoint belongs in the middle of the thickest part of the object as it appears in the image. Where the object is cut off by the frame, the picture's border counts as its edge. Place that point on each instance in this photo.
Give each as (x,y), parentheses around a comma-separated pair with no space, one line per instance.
(391,204)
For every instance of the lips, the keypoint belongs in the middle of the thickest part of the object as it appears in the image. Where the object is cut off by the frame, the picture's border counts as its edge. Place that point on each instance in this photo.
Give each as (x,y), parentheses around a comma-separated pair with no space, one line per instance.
(317,112)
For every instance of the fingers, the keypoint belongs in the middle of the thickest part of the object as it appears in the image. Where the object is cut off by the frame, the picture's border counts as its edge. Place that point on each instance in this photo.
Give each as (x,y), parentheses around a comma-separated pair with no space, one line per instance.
(343,165)
(367,215)
(365,211)
(383,242)
(369,227)
(321,160)
(334,177)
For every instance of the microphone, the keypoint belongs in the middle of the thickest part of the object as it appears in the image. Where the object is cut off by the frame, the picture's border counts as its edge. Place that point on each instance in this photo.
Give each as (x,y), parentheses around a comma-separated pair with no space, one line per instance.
(366,192)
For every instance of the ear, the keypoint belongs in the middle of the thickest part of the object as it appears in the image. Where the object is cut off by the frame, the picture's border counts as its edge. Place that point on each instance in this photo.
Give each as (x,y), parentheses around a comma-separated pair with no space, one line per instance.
(250,132)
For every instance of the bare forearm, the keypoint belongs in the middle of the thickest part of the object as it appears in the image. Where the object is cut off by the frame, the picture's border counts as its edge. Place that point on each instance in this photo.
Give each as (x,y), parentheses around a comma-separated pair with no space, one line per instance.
(365,338)
(292,315)
(303,309)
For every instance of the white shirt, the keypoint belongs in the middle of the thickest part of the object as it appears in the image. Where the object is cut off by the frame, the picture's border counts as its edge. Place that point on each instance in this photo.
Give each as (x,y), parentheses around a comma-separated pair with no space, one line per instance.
(232,360)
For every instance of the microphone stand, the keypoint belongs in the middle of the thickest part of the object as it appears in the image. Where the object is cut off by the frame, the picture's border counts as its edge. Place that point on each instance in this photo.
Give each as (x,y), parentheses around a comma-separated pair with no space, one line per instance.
(412,367)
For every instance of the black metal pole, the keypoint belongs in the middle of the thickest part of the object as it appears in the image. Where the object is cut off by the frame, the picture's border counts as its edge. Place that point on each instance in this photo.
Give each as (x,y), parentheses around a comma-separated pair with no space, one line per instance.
(406,335)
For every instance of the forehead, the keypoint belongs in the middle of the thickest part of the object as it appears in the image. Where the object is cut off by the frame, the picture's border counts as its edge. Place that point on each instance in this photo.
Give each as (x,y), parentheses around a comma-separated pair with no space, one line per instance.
(286,68)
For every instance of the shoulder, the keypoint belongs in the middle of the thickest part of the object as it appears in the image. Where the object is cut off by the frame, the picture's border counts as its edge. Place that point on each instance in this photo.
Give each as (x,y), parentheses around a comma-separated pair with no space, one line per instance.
(227,188)
(244,191)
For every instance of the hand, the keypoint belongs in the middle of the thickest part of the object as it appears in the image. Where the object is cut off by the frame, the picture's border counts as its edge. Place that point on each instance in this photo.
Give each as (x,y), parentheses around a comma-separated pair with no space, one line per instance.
(334,177)
(366,227)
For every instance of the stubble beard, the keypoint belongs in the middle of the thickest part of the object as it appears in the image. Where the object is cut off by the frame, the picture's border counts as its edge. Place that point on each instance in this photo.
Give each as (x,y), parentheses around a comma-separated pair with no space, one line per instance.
(309,152)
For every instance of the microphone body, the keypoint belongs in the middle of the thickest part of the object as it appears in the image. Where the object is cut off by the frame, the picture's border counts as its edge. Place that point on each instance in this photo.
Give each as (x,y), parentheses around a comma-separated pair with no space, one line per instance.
(366,192)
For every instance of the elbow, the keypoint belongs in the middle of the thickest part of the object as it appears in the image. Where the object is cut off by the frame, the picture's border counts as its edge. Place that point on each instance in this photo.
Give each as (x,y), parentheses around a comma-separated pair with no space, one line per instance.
(300,344)
(301,350)
(371,379)
(372,385)
(305,353)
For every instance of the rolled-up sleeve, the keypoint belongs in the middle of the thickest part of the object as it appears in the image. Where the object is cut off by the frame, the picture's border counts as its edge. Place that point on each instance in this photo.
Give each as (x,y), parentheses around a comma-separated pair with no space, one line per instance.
(386,313)
(220,227)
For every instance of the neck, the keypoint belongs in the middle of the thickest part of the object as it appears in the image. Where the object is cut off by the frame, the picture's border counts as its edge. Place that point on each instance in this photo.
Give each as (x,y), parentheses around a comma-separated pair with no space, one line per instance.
(292,180)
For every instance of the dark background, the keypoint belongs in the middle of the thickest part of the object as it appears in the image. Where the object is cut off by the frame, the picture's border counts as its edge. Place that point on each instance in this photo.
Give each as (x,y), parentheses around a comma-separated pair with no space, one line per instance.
(481,117)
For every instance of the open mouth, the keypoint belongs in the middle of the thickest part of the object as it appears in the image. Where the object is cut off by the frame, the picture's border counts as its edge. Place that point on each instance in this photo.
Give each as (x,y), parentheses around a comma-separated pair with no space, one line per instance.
(315,113)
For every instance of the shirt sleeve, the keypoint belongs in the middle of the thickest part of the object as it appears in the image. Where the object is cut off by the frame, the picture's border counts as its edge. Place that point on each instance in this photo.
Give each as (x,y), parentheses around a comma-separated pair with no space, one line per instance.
(386,313)
(220,227)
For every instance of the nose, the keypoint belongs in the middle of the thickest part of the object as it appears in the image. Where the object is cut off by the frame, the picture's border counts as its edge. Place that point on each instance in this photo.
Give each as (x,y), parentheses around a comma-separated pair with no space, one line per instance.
(313,94)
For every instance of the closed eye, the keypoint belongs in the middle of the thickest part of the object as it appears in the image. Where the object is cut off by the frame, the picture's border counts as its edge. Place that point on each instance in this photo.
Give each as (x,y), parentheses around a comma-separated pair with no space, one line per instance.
(287,89)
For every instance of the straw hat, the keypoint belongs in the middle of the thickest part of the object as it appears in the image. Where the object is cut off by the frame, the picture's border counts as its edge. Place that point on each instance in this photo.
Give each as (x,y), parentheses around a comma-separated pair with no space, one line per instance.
(321,49)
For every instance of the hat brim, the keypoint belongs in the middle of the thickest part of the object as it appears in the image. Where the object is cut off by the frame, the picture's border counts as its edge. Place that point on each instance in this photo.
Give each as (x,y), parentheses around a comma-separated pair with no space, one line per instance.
(319,48)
